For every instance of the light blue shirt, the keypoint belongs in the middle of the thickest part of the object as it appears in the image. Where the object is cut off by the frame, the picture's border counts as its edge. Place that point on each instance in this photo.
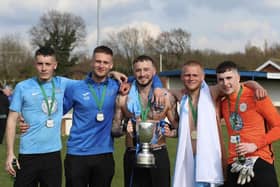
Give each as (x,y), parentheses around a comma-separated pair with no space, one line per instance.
(28,100)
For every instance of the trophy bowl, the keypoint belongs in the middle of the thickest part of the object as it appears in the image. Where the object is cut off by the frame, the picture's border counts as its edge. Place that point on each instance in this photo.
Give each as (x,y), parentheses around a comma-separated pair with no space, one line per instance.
(145,131)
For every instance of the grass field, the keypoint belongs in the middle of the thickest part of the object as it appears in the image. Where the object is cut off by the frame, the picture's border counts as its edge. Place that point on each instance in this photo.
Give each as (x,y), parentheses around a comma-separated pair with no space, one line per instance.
(6,180)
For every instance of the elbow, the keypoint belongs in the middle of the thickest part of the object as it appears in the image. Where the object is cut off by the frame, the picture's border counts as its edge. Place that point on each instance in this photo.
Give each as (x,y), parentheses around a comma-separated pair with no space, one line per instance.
(116,132)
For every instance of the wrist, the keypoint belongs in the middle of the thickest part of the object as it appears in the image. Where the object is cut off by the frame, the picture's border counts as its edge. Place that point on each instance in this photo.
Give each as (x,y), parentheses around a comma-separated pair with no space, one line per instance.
(174,133)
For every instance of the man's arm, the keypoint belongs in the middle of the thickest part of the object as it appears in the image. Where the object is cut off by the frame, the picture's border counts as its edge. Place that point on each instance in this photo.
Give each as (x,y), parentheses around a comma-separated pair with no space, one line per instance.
(120,77)
(272,119)
(173,117)
(10,138)
(68,98)
(117,128)
(178,93)
(260,92)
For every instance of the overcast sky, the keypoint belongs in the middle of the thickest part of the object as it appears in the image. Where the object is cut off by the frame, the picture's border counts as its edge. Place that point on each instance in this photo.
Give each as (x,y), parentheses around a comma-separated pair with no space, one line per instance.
(223,25)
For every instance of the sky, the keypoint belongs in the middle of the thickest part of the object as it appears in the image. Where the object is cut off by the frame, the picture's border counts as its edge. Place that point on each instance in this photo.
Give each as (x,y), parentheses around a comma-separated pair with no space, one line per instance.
(225,26)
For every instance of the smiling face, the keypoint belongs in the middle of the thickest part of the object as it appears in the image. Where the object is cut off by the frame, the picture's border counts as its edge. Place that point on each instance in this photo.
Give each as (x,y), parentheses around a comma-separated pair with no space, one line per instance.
(101,64)
(144,72)
(228,81)
(192,76)
(45,66)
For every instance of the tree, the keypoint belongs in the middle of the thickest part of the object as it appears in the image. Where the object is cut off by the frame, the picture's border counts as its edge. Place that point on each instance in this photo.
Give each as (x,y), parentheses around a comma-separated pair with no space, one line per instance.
(254,56)
(174,43)
(127,44)
(14,56)
(62,31)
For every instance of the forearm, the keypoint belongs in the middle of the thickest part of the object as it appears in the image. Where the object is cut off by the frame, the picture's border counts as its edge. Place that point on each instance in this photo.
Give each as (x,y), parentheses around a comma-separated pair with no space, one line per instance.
(119,127)
(177,94)
(252,84)
(120,77)
(117,130)
(174,133)
(118,121)
(272,122)
(10,134)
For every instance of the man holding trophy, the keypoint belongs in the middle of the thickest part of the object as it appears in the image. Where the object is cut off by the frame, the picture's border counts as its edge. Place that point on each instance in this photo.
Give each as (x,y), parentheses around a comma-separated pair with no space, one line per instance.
(146,161)
(252,126)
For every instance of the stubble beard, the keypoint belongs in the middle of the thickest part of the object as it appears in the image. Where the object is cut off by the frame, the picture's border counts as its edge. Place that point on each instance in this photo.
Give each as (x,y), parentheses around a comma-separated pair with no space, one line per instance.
(144,85)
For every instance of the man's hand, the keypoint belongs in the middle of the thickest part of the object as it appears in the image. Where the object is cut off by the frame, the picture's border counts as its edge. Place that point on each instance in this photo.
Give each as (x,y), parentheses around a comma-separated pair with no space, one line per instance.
(124,88)
(171,133)
(129,128)
(159,97)
(7,91)
(12,165)
(23,127)
(260,93)
(245,148)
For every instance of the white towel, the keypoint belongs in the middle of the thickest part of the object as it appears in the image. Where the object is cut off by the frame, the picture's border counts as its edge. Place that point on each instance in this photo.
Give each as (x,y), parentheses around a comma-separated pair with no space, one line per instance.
(208,150)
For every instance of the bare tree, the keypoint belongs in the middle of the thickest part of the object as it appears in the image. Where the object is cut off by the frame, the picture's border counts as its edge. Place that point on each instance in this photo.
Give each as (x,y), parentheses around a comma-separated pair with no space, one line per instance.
(176,41)
(13,57)
(62,31)
(128,43)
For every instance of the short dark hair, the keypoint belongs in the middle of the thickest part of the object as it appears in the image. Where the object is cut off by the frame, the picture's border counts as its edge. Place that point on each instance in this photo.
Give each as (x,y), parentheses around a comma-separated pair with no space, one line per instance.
(226,66)
(143,58)
(103,49)
(45,51)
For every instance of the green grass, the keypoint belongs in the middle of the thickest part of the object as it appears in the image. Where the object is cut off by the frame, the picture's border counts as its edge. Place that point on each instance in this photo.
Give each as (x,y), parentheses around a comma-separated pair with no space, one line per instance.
(6,180)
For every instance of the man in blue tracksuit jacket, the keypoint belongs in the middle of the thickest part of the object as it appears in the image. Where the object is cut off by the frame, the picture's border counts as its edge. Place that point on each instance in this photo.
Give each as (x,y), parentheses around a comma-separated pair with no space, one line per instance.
(89,159)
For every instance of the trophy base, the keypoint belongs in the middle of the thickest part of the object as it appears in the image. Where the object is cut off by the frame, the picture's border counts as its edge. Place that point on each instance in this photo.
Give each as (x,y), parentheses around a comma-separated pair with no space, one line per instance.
(145,166)
(146,161)
(145,158)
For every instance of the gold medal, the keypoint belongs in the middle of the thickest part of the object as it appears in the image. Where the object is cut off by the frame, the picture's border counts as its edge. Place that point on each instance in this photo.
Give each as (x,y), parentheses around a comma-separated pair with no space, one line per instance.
(194,135)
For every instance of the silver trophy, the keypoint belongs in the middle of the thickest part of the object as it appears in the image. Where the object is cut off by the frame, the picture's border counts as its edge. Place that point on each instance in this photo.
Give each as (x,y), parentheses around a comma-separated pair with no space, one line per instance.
(145,131)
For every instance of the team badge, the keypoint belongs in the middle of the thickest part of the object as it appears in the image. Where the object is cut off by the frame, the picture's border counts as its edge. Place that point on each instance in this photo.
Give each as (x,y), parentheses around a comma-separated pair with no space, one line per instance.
(243,107)
(44,106)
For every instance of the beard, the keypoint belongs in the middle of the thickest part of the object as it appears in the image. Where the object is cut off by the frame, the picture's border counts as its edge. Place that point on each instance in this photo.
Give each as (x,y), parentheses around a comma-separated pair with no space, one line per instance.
(144,84)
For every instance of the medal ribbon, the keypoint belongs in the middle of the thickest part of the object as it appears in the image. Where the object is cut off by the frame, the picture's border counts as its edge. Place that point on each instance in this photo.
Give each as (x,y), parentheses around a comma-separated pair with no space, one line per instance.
(236,105)
(98,102)
(46,98)
(194,111)
(241,158)
(144,113)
